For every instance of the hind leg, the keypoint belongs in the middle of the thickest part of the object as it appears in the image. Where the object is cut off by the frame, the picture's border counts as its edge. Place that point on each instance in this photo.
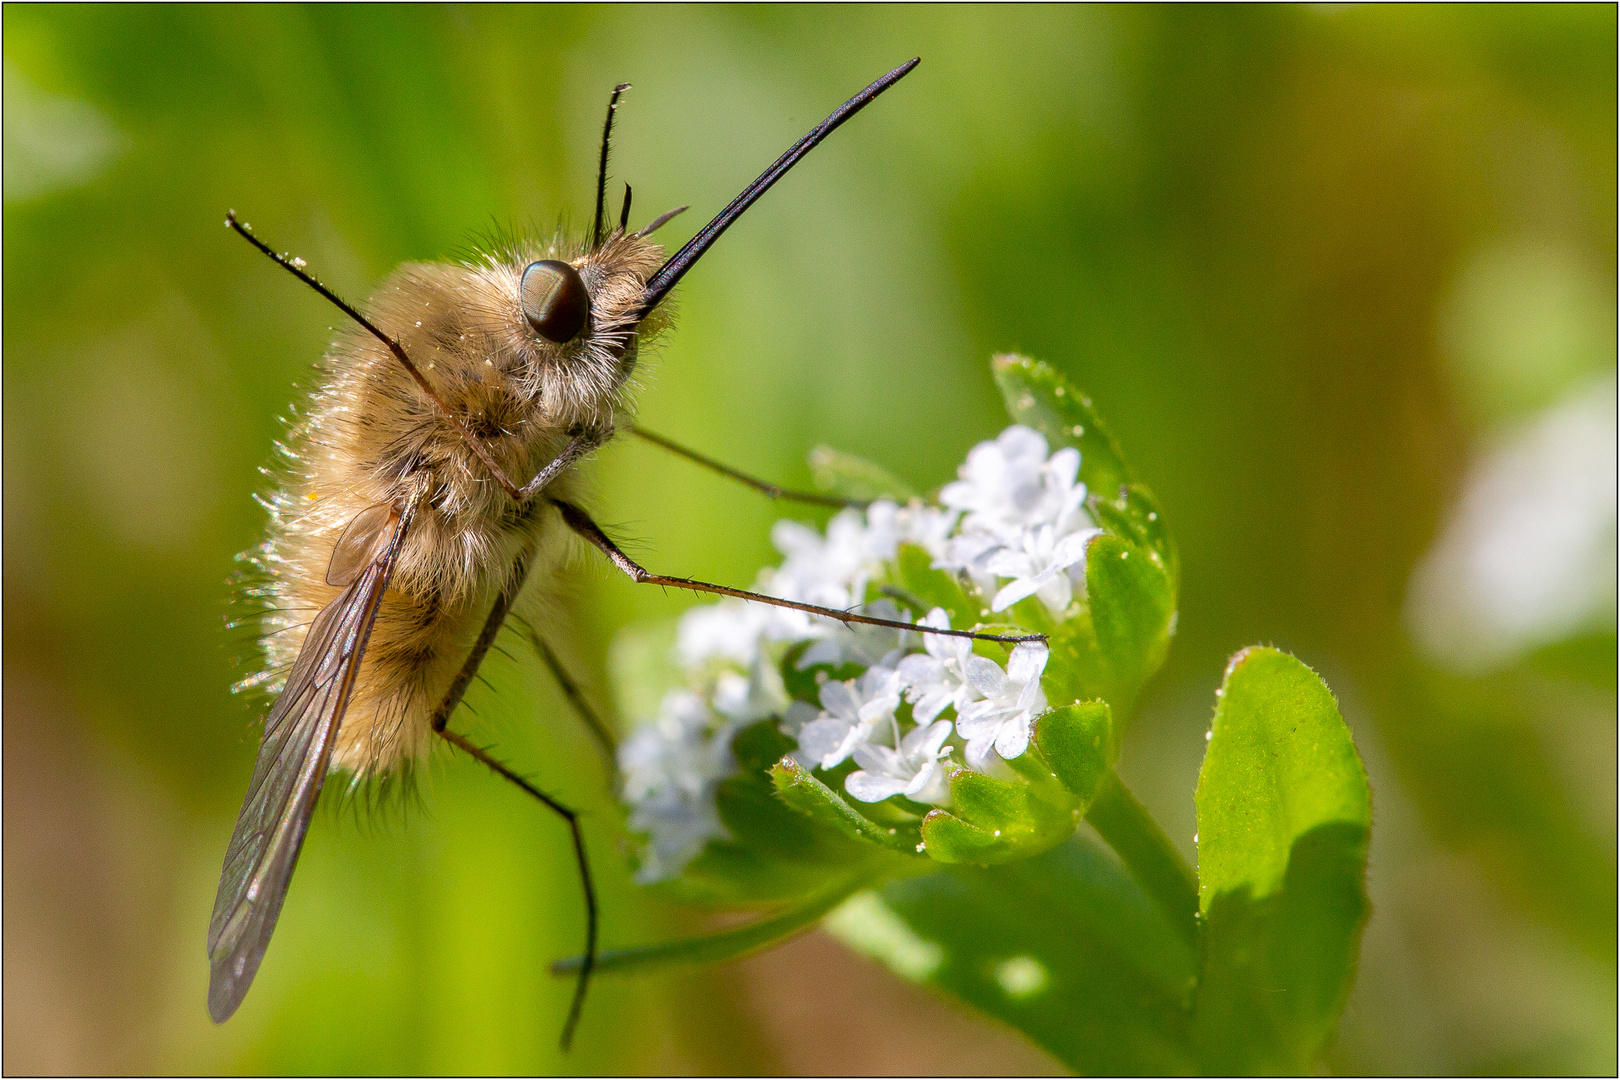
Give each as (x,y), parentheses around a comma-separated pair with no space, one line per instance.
(441,719)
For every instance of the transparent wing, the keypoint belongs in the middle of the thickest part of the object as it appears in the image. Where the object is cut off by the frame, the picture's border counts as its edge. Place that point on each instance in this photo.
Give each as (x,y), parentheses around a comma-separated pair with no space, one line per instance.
(299,734)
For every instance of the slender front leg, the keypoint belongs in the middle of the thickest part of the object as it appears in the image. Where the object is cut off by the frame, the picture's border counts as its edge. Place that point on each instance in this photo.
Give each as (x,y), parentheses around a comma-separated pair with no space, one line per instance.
(577,448)
(441,717)
(765,487)
(581,523)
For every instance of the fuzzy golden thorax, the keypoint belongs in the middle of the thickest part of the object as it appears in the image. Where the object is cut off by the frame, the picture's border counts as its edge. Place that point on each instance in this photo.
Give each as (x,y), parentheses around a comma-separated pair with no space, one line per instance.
(370,435)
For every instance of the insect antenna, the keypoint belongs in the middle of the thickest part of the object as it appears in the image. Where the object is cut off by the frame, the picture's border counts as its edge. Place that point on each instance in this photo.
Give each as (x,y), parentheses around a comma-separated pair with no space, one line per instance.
(624,210)
(602,164)
(660,283)
(660,221)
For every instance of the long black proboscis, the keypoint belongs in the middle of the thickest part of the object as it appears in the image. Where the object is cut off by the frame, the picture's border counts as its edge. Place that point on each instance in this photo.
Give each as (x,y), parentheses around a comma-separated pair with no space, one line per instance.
(660,283)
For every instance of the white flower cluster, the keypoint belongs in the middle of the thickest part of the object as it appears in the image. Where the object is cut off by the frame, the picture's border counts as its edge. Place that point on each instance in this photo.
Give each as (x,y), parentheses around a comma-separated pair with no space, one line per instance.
(1014,522)
(858,717)
(669,771)
(1024,518)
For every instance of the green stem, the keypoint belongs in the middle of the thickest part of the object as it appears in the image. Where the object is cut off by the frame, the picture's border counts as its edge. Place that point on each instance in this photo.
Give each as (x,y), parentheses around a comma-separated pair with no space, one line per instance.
(725,945)
(1149,855)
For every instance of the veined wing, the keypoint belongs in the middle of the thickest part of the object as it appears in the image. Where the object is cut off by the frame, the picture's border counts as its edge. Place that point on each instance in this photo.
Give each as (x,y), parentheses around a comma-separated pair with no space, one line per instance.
(299,734)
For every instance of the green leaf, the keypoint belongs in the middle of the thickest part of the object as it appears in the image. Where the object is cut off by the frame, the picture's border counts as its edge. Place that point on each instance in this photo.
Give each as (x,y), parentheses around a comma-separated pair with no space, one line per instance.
(949,839)
(1283,819)
(1133,611)
(1039,397)
(800,790)
(773,853)
(1111,648)
(1065,947)
(1077,742)
(851,477)
(755,817)
(995,821)
(996,806)
(1075,669)
(728,873)
(1133,514)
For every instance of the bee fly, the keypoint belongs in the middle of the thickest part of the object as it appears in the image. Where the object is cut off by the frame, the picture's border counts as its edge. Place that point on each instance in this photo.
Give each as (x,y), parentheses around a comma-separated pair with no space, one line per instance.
(430,478)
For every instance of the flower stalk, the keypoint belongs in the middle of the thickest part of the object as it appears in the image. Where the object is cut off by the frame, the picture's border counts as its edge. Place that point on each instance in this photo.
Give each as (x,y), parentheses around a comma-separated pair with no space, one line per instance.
(1147,852)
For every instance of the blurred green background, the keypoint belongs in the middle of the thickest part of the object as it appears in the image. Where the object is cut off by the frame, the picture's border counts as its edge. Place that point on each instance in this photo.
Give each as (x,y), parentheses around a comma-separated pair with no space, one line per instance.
(1320,268)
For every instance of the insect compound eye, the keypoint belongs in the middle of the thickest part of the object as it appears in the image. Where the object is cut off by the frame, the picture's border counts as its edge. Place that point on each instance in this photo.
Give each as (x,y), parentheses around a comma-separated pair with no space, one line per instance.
(555,300)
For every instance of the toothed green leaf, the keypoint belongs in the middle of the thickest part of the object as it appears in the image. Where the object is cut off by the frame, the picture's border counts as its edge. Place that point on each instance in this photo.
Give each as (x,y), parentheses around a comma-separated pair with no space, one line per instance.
(801,791)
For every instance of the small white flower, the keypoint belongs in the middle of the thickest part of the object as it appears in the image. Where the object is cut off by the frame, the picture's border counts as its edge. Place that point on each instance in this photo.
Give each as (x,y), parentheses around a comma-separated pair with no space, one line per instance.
(971,550)
(1040,564)
(936,678)
(833,570)
(928,527)
(861,643)
(852,713)
(751,698)
(1010,484)
(1010,700)
(670,769)
(914,770)
(1024,519)
(728,630)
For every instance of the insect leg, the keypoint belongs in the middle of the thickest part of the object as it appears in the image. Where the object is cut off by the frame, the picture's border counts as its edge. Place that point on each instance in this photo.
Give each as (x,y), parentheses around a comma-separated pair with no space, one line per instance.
(441,717)
(765,487)
(578,447)
(575,697)
(572,817)
(582,524)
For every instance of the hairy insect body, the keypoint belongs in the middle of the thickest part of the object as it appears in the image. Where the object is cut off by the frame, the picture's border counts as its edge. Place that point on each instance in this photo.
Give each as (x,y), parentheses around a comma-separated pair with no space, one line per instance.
(370,436)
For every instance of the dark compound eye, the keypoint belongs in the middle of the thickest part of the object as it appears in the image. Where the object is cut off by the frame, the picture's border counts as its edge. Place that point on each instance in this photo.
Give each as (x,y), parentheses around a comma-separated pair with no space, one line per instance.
(555,300)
